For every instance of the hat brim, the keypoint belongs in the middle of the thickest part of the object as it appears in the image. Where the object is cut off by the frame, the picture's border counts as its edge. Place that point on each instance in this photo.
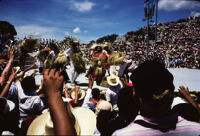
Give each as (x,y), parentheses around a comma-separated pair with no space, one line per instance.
(113,84)
(83,93)
(85,119)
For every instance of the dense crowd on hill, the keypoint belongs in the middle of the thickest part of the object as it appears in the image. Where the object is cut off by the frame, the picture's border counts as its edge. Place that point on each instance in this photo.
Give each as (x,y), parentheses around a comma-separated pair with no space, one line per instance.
(178,44)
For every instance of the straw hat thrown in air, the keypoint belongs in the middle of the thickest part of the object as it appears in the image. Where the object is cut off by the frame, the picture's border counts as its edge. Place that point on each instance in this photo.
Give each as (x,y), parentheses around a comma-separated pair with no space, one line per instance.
(84,121)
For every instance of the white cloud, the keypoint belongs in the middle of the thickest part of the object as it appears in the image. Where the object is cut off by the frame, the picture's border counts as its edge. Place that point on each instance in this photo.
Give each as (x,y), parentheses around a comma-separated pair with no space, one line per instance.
(81,6)
(76,30)
(67,34)
(195,14)
(170,5)
(36,31)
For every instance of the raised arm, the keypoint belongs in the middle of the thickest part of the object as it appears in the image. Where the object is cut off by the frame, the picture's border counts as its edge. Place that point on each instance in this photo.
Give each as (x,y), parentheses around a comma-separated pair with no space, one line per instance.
(186,94)
(6,70)
(76,94)
(53,83)
(7,86)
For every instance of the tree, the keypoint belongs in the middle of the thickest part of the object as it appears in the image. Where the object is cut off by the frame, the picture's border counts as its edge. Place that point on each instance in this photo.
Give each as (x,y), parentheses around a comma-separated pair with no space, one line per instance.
(7,30)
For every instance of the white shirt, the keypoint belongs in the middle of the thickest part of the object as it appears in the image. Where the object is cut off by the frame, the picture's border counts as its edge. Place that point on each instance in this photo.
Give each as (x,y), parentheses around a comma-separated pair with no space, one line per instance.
(111,95)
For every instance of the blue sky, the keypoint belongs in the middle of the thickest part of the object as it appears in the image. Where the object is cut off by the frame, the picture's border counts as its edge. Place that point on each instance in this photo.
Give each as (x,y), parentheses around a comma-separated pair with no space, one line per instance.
(86,19)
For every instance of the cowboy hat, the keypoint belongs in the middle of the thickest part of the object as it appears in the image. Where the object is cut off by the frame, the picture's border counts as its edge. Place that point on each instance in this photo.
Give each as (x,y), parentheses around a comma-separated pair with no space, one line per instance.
(81,94)
(94,45)
(113,80)
(103,105)
(84,121)
(117,68)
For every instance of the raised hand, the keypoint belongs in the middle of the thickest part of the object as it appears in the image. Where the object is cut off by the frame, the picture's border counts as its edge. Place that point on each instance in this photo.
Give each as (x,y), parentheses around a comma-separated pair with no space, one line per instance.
(52,82)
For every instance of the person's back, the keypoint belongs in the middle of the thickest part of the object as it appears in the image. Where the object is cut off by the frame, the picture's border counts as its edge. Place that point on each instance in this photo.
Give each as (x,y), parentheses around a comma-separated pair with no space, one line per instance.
(155,90)
(29,102)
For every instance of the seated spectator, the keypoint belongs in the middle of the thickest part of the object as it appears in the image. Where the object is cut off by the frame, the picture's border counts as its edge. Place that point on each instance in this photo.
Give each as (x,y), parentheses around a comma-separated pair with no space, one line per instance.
(154,88)
(29,102)
(75,96)
(92,97)
(108,121)
(114,86)
(62,119)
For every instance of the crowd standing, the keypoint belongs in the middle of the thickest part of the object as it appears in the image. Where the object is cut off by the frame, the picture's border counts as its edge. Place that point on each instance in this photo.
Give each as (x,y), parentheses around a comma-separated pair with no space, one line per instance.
(141,104)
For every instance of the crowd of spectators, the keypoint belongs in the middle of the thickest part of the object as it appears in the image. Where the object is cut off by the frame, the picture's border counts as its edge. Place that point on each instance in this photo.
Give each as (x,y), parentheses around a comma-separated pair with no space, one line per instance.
(142,106)
(178,44)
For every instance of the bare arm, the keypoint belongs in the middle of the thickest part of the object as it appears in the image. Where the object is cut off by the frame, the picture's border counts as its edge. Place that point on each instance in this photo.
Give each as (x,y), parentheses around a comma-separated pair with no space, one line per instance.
(185,93)
(76,94)
(53,84)
(6,70)
(91,81)
(7,86)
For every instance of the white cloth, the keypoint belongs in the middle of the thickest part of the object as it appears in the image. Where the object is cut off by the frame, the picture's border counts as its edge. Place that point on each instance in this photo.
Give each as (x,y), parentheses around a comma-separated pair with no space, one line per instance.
(111,95)
(87,103)
(29,105)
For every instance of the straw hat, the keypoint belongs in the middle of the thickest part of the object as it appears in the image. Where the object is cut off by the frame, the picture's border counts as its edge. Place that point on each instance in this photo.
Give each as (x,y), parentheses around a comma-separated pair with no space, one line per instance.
(81,94)
(75,41)
(116,58)
(103,105)
(61,59)
(113,80)
(84,121)
(117,68)
(94,45)
(106,44)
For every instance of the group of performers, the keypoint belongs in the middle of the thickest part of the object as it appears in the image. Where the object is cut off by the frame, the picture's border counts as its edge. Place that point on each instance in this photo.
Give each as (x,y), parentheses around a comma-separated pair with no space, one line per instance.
(101,58)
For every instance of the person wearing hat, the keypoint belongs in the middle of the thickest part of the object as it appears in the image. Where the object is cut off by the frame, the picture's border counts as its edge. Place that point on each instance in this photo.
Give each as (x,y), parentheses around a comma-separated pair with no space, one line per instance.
(98,63)
(75,96)
(62,118)
(154,88)
(114,86)
(74,50)
(92,96)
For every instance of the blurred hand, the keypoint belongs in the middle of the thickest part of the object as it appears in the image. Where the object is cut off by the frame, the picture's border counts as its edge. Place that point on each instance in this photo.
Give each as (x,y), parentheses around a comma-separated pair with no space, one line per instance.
(52,82)
(91,81)
(11,54)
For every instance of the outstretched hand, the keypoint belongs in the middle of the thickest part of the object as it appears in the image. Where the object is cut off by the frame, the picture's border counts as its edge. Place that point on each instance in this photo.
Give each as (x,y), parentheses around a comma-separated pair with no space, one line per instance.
(52,82)
(185,93)
(91,81)
(11,53)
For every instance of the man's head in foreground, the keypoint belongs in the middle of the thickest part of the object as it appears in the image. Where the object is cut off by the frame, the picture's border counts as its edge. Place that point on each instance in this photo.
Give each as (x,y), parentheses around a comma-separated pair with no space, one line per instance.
(154,87)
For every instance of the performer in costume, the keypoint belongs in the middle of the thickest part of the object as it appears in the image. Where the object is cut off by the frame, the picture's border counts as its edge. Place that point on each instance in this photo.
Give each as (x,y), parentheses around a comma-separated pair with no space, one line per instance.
(98,63)
(77,61)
